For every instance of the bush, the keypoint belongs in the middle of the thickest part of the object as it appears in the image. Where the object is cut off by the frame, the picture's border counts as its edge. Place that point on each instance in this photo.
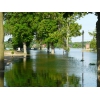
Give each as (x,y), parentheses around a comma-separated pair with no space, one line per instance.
(12,52)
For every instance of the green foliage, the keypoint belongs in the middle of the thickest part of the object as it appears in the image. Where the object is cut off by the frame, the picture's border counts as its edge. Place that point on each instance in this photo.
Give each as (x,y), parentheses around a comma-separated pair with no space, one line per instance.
(12,52)
(49,27)
(8,44)
(78,44)
(77,14)
(93,44)
(70,29)
(93,41)
(22,74)
(19,24)
(54,28)
(93,34)
(74,81)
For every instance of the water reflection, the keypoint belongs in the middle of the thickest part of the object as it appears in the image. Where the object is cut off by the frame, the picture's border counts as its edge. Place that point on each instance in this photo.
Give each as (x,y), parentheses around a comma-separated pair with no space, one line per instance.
(23,75)
(72,81)
(1,78)
(98,80)
(2,73)
(47,70)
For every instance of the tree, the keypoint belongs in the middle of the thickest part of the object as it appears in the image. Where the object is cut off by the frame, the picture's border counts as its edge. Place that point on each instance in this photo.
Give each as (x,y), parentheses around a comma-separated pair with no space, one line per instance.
(70,29)
(1,42)
(93,41)
(53,28)
(1,79)
(98,40)
(48,29)
(46,25)
(93,34)
(97,37)
(20,25)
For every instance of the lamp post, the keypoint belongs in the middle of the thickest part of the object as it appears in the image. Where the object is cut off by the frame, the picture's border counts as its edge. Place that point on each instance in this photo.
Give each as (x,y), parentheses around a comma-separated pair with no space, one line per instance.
(82,45)
(82,59)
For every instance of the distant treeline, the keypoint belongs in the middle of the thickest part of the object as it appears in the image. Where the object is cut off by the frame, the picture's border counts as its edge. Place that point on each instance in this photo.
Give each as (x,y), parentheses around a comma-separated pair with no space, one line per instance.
(71,44)
(78,44)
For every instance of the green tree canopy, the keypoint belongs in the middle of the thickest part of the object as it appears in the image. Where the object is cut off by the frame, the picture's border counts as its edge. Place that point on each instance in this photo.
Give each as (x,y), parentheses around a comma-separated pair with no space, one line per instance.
(49,27)
(20,25)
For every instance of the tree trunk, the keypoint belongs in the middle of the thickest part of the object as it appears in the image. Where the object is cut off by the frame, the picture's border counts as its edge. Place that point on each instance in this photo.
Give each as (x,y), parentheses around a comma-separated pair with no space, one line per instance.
(98,41)
(98,47)
(48,47)
(1,42)
(67,43)
(24,61)
(25,48)
(40,46)
(52,48)
(1,79)
(98,80)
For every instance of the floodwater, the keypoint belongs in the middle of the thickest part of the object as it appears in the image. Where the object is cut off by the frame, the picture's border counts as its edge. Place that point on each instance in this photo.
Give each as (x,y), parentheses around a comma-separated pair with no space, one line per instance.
(46,70)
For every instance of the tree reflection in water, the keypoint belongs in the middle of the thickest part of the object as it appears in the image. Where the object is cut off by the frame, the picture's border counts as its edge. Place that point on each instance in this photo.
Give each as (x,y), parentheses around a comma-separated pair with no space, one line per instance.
(72,81)
(22,75)
(1,78)
(98,80)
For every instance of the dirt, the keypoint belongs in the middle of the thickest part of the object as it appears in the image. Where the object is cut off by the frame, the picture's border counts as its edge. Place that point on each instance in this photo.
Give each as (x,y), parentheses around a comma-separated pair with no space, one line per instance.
(8,56)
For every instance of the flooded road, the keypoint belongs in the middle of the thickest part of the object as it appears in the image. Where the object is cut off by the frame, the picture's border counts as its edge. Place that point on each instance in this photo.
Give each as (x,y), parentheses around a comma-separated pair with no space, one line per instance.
(46,70)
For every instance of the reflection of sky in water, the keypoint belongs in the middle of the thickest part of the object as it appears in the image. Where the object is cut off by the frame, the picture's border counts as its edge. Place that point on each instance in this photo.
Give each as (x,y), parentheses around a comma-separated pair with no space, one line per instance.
(77,67)
(89,57)
(89,71)
(33,54)
(69,65)
(8,67)
(34,67)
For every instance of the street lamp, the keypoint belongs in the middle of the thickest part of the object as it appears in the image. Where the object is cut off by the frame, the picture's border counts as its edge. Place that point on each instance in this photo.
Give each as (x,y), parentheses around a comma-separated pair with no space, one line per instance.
(82,59)
(82,45)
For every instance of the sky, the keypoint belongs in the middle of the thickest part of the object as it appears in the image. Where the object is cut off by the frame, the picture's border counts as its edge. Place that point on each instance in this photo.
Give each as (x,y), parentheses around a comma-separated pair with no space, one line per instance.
(7,37)
(88,23)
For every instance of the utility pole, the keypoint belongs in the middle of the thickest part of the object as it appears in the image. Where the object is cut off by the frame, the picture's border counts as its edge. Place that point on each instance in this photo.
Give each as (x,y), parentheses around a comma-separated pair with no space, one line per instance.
(82,74)
(82,59)
(82,46)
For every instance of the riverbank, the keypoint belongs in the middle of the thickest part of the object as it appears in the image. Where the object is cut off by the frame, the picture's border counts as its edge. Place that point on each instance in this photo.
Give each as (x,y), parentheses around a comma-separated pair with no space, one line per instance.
(8,56)
(89,50)
(15,53)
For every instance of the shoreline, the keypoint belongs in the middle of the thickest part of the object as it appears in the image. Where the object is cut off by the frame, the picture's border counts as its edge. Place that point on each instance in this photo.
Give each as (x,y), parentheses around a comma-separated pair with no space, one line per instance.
(8,56)
(16,53)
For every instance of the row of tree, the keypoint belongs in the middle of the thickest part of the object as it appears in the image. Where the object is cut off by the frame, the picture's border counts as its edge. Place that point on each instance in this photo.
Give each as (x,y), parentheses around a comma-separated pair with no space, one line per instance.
(47,27)
(78,44)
